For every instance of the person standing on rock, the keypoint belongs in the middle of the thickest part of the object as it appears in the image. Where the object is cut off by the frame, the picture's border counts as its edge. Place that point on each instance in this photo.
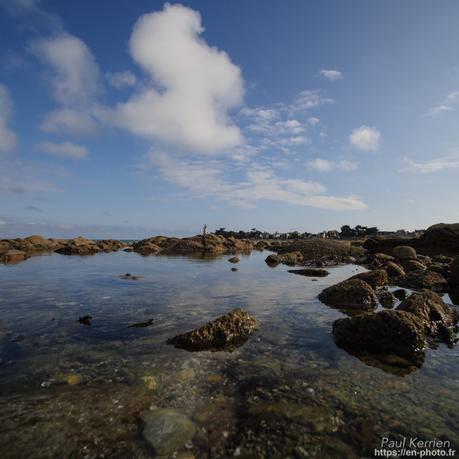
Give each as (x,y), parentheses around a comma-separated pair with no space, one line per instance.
(204,234)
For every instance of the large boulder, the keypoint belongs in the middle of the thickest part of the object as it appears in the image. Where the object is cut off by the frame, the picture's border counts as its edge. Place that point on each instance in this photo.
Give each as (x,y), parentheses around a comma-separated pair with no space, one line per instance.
(385,332)
(442,238)
(404,252)
(225,333)
(423,279)
(393,269)
(376,278)
(350,294)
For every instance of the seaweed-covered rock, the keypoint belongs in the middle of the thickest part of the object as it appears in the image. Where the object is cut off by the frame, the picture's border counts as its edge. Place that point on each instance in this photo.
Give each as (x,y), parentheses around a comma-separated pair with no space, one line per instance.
(413,265)
(431,309)
(225,333)
(423,279)
(404,252)
(393,269)
(349,294)
(386,298)
(376,278)
(386,332)
(310,272)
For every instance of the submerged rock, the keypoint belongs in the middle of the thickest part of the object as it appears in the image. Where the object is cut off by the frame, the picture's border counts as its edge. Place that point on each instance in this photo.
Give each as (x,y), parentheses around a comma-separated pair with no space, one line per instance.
(145,323)
(310,272)
(167,430)
(350,294)
(376,278)
(129,276)
(224,333)
(85,320)
(234,260)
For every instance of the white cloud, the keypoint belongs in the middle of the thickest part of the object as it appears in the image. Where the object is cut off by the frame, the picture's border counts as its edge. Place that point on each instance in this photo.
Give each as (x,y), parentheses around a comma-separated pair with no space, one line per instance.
(69,120)
(7,136)
(75,74)
(207,179)
(432,165)
(449,103)
(324,165)
(331,74)
(365,138)
(312,120)
(199,84)
(121,79)
(64,150)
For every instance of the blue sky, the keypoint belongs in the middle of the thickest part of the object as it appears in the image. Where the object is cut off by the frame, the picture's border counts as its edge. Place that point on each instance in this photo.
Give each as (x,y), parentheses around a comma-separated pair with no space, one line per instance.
(128,119)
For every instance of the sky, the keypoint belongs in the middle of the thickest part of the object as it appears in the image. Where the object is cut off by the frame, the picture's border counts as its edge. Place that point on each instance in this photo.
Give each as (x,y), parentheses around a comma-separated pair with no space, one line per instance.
(131,119)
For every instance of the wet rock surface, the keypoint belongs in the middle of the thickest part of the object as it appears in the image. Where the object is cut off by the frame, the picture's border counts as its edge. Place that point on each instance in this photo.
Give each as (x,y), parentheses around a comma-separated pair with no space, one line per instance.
(376,278)
(225,333)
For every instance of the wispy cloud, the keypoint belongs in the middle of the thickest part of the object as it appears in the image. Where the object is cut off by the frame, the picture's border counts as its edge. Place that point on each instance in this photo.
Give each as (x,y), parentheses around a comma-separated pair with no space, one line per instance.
(260,183)
(365,138)
(7,135)
(432,165)
(449,103)
(331,74)
(324,165)
(121,79)
(64,149)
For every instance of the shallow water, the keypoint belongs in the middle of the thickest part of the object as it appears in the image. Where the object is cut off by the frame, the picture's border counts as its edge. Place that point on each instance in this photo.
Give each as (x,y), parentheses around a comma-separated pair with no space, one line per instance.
(72,390)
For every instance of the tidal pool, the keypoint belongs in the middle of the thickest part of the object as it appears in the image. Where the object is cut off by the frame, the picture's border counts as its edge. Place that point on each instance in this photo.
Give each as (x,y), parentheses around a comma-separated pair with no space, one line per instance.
(73,390)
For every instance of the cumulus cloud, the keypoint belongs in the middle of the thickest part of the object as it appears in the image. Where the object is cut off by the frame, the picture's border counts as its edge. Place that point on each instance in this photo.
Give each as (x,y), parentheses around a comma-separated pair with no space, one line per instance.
(432,165)
(121,79)
(324,165)
(331,74)
(207,179)
(449,103)
(193,85)
(365,138)
(64,150)
(7,136)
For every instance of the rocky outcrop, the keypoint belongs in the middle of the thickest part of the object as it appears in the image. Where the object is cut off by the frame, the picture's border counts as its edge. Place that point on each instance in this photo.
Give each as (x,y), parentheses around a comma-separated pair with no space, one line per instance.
(350,294)
(318,249)
(376,278)
(225,333)
(210,244)
(288,258)
(36,245)
(404,252)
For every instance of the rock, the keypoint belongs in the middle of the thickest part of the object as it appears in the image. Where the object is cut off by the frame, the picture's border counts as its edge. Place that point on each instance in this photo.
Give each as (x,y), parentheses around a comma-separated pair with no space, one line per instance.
(386,298)
(73,379)
(381,258)
(128,249)
(13,256)
(376,278)
(129,276)
(412,265)
(393,269)
(350,294)
(423,279)
(454,264)
(85,320)
(289,258)
(315,249)
(441,268)
(453,279)
(404,252)
(385,332)
(234,260)
(272,260)
(234,270)
(167,430)
(150,382)
(441,239)
(400,294)
(224,333)
(311,272)
(430,309)
(350,260)
(145,323)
